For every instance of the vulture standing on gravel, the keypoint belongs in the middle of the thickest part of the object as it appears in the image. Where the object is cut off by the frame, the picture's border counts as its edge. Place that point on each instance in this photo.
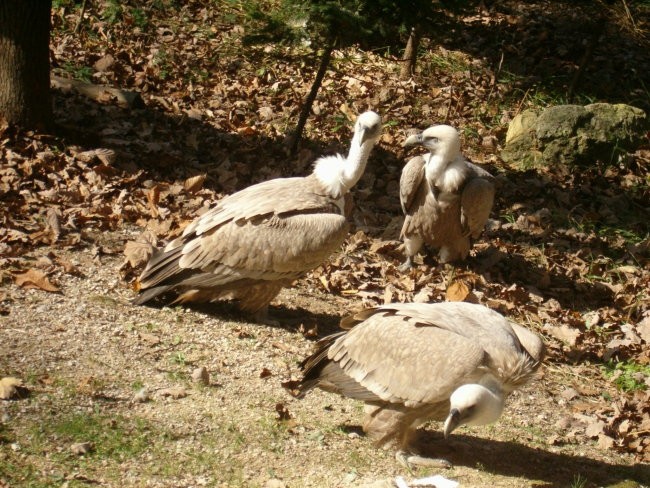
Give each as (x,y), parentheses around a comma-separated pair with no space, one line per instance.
(254,242)
(411,362)
(446,199)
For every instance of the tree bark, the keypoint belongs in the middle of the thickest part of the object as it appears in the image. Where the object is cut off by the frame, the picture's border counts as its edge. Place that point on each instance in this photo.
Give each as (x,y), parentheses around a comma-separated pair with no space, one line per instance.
(309,101)
(25,63)
(409,59)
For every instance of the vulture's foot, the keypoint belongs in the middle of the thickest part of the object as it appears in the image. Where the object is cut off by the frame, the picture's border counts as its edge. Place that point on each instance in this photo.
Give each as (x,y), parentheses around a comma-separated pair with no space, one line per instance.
(262,317)
(406,266)
(409,460)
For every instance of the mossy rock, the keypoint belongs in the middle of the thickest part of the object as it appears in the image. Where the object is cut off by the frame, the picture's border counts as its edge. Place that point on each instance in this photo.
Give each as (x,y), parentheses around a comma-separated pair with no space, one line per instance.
(574,135)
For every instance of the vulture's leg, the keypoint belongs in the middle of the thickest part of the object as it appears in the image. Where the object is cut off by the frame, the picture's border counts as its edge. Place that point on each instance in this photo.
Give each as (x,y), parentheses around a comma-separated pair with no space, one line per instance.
(407,454)
(409,460)
(262,317)
(411,247)
(255,300)
(456,251)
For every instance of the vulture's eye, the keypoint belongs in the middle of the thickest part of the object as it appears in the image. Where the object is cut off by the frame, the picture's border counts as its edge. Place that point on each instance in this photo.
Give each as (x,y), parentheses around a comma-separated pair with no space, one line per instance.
(432,139)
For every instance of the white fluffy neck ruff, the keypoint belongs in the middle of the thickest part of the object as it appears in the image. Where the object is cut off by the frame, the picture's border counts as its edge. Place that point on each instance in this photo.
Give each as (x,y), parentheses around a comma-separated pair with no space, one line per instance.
(444,174)
(338,174)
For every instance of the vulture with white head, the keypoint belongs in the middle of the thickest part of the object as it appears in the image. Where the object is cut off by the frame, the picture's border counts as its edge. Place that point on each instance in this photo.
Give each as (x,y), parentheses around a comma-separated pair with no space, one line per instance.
(254,242)
(454,362)
(446,199)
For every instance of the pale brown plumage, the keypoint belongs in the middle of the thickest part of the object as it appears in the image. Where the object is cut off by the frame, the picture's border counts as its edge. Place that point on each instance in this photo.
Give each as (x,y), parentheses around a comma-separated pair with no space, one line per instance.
(414,362)
(260,239)
(446,199)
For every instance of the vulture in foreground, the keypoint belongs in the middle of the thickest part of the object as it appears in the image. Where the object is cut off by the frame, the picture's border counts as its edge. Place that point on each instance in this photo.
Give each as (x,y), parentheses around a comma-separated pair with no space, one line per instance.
(254,242)
(446,199)
(412,362)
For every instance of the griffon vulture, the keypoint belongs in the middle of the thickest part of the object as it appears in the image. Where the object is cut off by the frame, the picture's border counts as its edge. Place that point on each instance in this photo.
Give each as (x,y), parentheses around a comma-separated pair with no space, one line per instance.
(254,242)
(446,199)
(454,362)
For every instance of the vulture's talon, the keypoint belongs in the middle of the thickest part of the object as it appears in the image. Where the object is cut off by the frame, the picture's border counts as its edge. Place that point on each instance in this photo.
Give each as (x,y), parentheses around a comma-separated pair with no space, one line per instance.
(409,460)
(262,317)
(406,266)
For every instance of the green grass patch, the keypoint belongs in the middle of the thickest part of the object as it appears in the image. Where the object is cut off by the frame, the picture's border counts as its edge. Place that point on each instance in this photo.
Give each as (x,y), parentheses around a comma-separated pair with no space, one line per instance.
(114,437)
(627,376)
(83,73)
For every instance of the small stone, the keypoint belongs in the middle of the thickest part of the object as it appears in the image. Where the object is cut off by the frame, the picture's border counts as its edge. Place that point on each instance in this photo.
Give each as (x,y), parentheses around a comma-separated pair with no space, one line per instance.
(274,483)
(605,442)
(142,395)
(105,63)
(569,394)
(353,435)
(201,375)
(81,448)
(563,423)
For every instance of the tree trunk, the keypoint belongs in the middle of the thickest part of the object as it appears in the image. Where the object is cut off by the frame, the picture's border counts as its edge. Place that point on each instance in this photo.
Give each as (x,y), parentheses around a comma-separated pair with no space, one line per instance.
(410,55)
(309,101)
(25,63)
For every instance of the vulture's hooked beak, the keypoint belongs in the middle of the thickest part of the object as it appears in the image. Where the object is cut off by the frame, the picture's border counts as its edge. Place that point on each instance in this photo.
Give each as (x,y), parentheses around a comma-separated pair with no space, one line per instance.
(366,133)
(369,132)
(452,421)
(414,140)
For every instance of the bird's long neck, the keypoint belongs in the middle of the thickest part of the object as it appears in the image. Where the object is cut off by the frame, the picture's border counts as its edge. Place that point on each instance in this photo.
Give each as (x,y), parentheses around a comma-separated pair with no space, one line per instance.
(356,161)
(338,174)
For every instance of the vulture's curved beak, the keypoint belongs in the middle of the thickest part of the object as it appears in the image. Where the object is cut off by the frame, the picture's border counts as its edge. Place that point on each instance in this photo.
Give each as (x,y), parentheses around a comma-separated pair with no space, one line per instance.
(414,140)
(369,132)
(452,421)
(366,133)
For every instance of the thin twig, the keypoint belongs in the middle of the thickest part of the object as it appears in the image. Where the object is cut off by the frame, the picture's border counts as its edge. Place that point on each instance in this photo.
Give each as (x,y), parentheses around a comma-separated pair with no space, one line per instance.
(81,17)
(629,15)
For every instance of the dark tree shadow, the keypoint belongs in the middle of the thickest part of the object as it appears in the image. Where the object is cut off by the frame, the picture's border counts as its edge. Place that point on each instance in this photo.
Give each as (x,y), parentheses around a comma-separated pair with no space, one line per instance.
(291,319)
(542,468)
(513,459)
(545,45)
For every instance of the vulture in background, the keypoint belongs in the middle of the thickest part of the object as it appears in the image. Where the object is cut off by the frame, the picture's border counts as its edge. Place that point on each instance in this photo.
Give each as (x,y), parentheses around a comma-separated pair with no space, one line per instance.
(446,199)
(454,362)
(254,242)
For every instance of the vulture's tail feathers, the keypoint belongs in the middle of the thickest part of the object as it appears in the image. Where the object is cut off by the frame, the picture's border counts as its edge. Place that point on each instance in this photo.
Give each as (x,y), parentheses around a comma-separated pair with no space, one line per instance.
(356,318)
(314,364)
(161,266)
(149,294)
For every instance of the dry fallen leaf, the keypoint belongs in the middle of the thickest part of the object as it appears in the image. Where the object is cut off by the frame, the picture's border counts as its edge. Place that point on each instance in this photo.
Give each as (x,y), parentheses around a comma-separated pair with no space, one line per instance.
(12,388)
(176,392)
(282,411)
(139,251)
(564,333)
(194,183)
(34,278)
(81,448)
(457,291)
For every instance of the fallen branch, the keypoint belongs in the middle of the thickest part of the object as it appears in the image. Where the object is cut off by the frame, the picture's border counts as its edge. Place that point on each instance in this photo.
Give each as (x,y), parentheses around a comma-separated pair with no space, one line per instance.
(124,98)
